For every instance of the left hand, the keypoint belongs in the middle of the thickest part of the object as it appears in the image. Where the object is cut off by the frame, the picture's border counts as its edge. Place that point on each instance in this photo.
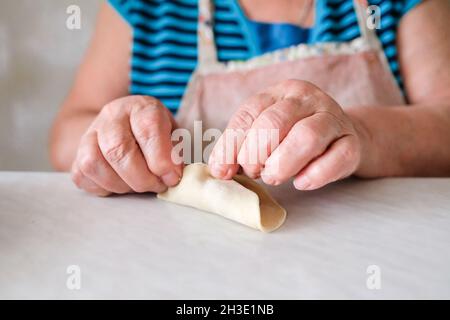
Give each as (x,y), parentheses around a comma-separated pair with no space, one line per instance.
(318,142)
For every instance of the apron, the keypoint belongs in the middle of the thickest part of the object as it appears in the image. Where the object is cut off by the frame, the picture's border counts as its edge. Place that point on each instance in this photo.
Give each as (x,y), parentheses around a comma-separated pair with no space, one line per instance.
(354,73)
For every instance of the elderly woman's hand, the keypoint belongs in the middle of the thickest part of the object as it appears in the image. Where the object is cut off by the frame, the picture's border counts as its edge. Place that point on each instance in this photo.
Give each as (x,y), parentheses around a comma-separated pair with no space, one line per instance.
(317,142)
(127,149)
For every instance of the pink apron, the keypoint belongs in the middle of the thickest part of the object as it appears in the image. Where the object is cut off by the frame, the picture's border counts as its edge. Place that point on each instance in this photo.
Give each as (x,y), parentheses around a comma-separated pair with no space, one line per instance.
(354,73)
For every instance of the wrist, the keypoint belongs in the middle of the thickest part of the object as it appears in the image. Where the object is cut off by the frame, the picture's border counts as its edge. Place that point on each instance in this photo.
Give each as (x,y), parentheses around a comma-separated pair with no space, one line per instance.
(368,151)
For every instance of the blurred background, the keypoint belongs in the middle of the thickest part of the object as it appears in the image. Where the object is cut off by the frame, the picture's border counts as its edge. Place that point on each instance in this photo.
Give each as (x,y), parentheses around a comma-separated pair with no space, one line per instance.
(38,59)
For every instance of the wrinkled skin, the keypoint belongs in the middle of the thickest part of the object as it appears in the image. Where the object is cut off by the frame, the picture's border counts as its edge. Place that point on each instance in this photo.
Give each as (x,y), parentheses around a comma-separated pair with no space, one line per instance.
(318,143)
(127,149)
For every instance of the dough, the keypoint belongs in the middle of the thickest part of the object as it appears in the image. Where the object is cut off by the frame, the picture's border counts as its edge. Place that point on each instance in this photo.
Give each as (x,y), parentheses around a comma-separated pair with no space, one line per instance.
(241,199)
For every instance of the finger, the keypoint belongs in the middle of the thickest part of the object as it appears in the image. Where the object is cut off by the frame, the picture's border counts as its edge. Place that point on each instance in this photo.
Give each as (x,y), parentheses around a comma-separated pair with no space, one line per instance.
(152,129)
(223,160)
(86,184)
(340,161)
(121,151)
(306,140)
(271,127)
(94,166)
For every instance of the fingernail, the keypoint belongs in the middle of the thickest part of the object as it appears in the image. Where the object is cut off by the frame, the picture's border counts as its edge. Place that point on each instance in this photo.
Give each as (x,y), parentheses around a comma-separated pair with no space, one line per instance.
(170,179)
(302,183)
(218,171)
(229,174)
(269,179)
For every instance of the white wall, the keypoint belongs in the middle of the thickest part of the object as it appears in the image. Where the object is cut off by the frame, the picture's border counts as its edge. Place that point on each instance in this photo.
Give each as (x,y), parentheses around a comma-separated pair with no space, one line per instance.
(38,57)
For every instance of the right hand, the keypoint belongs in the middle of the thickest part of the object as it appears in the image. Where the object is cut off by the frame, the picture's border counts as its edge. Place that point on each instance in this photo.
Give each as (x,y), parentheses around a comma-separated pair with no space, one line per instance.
(127,148)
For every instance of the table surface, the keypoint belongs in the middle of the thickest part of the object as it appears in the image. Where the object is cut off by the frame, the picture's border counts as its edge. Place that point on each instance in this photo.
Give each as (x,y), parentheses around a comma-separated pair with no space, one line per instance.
(137,246)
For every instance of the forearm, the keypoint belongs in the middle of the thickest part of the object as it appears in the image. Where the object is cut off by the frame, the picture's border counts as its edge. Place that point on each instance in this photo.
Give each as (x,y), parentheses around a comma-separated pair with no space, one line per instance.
(65,137)
(404,140)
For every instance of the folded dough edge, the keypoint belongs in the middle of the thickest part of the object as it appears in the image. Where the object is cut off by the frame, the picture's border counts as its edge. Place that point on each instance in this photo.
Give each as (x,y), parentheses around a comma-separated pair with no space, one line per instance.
(242,199)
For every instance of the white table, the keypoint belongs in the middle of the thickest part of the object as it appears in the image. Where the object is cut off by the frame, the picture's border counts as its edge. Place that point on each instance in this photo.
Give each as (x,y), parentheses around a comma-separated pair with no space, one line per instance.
(137,246)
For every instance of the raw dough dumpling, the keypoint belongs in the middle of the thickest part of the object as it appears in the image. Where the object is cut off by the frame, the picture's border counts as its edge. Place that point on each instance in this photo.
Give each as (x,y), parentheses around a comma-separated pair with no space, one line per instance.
(241,199)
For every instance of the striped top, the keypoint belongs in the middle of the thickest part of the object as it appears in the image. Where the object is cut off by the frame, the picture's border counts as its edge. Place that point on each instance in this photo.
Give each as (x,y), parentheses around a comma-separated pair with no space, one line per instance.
(164,53)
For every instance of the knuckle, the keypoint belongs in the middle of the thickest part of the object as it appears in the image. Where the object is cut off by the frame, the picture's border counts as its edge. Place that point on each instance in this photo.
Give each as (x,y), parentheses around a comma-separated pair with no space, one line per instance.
(270,119)
(298,86)
(333,119)
(316,172)
(148,101)
(148,104)
(349,154)
(148,128)
(135,102)
(250,109)
(147,122)
(308,136)
(88,164)
(110,109)
(293,143)
(117,151)
(243,118)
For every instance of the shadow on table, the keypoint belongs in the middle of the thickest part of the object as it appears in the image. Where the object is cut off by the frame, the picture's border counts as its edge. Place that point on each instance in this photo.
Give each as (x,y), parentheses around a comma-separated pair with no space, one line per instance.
(307,208)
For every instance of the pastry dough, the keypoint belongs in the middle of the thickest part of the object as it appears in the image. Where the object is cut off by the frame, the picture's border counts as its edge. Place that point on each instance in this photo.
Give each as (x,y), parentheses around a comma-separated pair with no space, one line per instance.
(241,199)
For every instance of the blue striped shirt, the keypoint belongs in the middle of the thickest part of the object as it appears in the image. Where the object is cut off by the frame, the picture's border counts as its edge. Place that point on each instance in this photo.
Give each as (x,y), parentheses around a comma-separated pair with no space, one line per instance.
(164,52)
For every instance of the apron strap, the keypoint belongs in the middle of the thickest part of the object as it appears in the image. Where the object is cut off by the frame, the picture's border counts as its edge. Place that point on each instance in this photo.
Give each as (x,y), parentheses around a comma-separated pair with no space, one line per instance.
(367,33)
(207,52)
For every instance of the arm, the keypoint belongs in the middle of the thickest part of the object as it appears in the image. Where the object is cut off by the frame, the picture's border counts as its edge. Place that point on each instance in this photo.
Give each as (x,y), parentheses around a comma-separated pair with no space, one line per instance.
(101,78)
(414,140)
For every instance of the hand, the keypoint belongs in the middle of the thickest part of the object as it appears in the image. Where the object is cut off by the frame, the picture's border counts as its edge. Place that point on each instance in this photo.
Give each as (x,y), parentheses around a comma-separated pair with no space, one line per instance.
(317,142)
(127,148)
